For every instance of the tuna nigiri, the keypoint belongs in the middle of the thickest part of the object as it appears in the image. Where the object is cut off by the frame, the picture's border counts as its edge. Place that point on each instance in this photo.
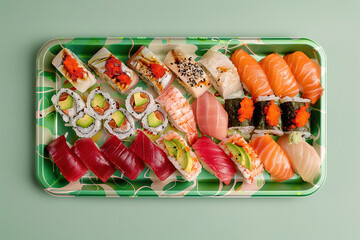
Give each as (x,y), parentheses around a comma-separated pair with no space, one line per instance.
(303,157)
(214,160)
(210,116)
(251,74)
(68,163)
(243,155)
(273,157)
(91,156)
(179,111)
(122,158)
(280,77)
(152,155)
(306,74)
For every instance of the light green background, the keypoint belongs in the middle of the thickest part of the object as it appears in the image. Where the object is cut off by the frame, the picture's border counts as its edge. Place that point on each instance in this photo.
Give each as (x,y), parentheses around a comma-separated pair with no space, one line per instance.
(27,212)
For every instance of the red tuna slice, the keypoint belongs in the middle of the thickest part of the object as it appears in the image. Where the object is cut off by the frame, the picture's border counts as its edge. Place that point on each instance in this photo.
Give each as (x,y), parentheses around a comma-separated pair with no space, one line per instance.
(210,116)
(122,158)
(153,156)
(91,156)
(68,163)
(214,159)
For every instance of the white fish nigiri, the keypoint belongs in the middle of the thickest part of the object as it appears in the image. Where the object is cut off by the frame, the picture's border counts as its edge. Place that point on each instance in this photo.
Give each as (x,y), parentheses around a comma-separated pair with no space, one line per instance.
(303,157)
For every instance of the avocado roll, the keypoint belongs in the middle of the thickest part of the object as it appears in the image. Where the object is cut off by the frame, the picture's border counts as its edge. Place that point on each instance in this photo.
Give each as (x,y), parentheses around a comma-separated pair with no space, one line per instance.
(99,104)
(84,125)
(115,72)
(120,123)
(240,112)
(296,115)
(139,102)
(267,115)
(67,103)
(155,120)
(74,70)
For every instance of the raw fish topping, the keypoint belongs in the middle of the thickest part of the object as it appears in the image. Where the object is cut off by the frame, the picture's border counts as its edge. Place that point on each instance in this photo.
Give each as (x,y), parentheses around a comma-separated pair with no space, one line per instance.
(113,66)
(157,70)
(72,67)
(189,68)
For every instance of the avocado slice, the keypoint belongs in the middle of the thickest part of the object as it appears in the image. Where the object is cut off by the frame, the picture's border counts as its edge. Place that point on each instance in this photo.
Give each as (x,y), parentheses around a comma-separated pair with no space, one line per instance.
(179,143)
(67,103)
(240,154)
(98,100)
(85,121)
(118,117)
(172,148)
(185,160)
(153,121)
(139,101)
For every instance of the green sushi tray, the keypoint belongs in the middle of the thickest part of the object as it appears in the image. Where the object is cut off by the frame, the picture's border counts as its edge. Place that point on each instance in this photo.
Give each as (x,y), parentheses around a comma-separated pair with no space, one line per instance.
(49,124)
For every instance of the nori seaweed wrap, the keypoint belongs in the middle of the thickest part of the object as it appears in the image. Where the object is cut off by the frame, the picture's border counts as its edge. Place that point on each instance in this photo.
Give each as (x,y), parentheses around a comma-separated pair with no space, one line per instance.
(296,115)
(240,114)
(267,115)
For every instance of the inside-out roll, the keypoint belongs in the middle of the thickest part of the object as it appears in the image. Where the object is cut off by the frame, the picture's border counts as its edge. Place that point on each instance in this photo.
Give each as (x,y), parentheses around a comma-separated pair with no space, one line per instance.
(67,103)
(139,102)
(84,125)
(120,123)
(155,120)
(99,104)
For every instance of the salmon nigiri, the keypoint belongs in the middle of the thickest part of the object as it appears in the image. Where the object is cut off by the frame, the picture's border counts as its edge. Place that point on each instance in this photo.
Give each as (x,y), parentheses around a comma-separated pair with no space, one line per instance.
(303,157)
(280,77)
(179,111)
(251,74)
(307,75)
(273,157)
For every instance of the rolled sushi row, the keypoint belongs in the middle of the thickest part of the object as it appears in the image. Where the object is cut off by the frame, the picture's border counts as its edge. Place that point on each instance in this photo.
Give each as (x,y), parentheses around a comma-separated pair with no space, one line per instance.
(269,114)
(87,121)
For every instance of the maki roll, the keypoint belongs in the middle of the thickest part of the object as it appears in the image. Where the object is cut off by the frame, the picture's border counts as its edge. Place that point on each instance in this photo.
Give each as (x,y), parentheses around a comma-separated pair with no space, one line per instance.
(67,103)
(296,115)
(240,111)
(243,155)
(222,72)
(74,70)
(100,104)
(139,102)
(151,69)
(85,125)
(115,72)
(155,120)
(120,123)
(180,154)
(267,115)
(190,74)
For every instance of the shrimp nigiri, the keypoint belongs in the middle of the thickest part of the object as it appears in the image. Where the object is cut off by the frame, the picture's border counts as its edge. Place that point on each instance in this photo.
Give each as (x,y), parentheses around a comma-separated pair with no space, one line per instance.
(307,75)
(280,77)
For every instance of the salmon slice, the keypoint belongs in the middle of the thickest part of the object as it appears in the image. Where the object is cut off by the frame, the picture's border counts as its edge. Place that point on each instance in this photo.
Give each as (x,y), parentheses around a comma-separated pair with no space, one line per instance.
(179,111)
(306,74)
(275,161)
(251,74)
(280,77)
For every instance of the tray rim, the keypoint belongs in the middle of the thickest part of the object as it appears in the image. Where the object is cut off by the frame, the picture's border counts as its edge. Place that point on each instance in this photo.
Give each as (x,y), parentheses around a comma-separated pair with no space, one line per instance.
(269,194)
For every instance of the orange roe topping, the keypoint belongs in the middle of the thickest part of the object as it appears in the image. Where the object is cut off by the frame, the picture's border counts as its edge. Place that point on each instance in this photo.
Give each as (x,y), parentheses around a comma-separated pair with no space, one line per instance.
(246,109)
(272,112)
(302,116)
(157,70)
(113,66)
(72,68)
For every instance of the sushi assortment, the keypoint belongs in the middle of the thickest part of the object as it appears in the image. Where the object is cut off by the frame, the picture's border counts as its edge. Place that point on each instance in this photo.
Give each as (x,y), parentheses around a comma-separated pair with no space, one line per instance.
(209,130)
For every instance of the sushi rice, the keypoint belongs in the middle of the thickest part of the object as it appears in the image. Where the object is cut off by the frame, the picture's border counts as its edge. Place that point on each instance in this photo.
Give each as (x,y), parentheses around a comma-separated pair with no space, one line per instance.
(161,127)
(90,109)
(131,110)
(78,104)
(89,131)
(118,132)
